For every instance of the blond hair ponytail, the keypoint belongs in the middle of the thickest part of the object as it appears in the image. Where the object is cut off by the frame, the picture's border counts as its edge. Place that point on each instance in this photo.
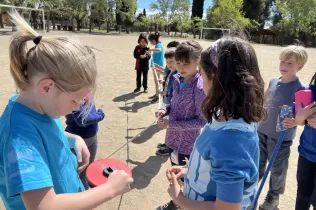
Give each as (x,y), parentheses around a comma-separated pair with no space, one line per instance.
(65,60)
(18,50)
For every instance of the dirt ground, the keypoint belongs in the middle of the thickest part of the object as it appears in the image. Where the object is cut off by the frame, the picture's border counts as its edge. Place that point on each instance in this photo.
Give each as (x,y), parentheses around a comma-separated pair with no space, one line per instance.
(127,113)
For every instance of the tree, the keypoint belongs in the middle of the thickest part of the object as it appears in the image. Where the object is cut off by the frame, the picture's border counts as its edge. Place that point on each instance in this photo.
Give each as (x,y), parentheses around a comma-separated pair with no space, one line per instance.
(145,22)
(253,9)
(144,12)
(227,14)
(298,16)
(197,8)
(125,13)
(196,25)
(184,24)
(170,10)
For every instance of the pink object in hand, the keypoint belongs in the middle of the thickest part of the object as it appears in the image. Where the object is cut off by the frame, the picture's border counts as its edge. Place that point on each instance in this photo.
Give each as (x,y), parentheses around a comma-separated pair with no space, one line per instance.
(303,97)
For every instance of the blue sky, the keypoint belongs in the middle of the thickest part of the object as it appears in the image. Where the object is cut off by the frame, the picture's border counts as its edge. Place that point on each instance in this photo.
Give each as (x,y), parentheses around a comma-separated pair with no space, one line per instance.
(141,4)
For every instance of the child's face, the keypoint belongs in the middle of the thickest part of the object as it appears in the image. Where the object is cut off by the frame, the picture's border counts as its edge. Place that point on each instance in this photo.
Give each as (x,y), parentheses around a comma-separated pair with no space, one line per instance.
(171,63)
(143,43)
(207,84)
(58,103)
(187,70)
(289,67)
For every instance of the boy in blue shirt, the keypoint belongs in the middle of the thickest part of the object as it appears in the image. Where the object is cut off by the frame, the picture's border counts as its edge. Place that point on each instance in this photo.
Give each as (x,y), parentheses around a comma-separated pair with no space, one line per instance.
(281,91)
(171,65)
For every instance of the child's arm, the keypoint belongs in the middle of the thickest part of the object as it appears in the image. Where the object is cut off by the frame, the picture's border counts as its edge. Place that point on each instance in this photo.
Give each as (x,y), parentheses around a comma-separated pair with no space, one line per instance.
(155,50)
(136,55)
(47,199)
(196,122)
(304,113)
(159,69)
(92,118)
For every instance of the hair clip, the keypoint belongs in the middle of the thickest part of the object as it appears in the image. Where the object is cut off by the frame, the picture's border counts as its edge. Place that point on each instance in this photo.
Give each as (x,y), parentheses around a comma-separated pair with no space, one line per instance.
(37,40)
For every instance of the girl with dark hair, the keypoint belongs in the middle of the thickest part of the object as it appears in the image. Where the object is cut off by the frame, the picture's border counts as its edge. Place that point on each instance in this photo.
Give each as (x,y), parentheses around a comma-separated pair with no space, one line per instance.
(222,172)
(157,61)
(142,62)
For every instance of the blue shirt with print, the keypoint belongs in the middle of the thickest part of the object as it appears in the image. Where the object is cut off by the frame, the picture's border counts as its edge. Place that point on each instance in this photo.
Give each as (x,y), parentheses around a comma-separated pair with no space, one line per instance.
(158,57)
(224,163)
(307,147)
(34,154)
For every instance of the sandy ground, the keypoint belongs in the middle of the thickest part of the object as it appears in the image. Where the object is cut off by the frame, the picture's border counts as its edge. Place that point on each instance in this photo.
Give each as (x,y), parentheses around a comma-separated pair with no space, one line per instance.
(127,113)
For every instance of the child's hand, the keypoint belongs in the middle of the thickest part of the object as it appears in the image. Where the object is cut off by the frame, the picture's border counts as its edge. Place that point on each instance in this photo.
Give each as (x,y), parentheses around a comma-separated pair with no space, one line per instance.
(160,81)
(142,56)
(304,113)
(179,172)
(288,122)
(163,123)
(312,122)
(148,52)
(174,189)
(82,152)
(120,182)
(160,113)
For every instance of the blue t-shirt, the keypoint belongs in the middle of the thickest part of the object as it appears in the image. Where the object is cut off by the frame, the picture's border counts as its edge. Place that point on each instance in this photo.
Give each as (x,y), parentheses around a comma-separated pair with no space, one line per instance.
(307,147)
(34,154)
(158,57)
(169,87)
(224,163)
(279,94)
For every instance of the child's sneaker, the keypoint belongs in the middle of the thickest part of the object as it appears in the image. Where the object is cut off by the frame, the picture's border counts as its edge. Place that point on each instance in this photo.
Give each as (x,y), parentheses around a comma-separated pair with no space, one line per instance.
(168,206)
(145,91)
(270,203)
(161,145)
(136,90)
(162,151)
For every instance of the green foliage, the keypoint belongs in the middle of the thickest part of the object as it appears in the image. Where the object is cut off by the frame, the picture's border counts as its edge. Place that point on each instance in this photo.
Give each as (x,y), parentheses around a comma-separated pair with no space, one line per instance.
(298,16)
(227,14)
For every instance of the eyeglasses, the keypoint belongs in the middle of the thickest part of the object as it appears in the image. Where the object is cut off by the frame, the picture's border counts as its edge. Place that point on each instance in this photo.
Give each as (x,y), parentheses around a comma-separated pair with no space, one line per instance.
(80,102)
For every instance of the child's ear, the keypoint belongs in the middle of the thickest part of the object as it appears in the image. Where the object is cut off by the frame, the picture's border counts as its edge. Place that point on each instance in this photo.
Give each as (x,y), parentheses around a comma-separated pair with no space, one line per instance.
(300,67)
(45,85)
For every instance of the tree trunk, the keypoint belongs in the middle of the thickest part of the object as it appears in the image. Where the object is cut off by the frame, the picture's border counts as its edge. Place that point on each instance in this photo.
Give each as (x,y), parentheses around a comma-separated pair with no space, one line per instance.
(54,23)
(108,26)
(73,24)
(90,25)
(48,20)
(120,29)
(1,22)
(194,35)
(78,24)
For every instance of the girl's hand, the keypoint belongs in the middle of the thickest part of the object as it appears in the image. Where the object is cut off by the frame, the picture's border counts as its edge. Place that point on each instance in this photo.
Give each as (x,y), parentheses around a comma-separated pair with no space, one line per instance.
(120,182)
(83,154)
(142,56)
(179,172)
(305,113)
(174,189)
(289,122)
(160,114)
(163,123)
(312,122)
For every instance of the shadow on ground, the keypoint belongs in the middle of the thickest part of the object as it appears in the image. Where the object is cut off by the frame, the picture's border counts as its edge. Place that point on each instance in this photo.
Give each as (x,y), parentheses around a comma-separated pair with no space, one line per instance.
(144,172)
(126,97)
(135,106)
(148,134)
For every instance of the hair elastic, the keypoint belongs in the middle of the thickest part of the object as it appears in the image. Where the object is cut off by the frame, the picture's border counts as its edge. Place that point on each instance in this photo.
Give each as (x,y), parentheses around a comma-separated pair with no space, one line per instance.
(37,40)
